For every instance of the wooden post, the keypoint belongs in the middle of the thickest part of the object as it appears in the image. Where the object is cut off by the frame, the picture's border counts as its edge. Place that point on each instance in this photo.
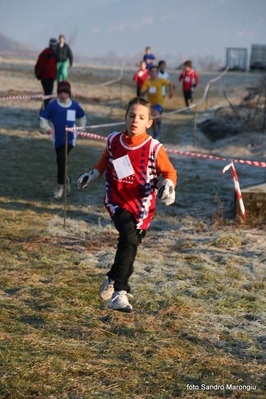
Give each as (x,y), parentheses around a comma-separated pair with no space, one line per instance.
(195,127)
(207,96)
(264,114)
(65,177)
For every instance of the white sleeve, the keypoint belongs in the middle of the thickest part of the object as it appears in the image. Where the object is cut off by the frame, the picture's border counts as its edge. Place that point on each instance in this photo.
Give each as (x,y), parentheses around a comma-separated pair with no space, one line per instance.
(81,121)
(44,125)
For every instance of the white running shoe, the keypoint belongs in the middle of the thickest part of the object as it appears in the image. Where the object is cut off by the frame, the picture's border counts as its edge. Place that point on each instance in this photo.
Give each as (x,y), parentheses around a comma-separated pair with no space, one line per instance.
(107,289)
(120,302)
(59,191)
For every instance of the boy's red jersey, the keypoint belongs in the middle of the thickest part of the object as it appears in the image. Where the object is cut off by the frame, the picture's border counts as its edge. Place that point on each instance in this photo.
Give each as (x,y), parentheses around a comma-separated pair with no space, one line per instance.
(189,78)
(140,77)
(135,193)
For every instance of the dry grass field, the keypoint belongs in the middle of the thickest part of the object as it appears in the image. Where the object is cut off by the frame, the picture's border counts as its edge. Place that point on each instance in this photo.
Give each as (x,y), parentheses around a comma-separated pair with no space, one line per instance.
(198,326)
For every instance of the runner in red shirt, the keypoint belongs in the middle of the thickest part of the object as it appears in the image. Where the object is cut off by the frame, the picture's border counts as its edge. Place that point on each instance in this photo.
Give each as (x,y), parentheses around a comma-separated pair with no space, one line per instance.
(140,76)
(190,80)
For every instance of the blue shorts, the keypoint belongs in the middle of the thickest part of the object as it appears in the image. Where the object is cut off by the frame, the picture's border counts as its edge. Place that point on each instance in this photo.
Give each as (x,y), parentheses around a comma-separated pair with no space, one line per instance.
(158,107)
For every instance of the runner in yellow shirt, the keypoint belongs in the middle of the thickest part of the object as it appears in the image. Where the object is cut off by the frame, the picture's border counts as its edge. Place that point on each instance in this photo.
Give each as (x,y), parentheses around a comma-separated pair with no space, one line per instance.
(153,88)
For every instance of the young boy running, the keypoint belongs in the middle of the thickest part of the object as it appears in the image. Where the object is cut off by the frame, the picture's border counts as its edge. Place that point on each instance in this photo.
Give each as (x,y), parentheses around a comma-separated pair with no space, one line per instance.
(190,80)
(57,115)
(153,88)
(163,74)
(133,162)
(149,58)
(140,76)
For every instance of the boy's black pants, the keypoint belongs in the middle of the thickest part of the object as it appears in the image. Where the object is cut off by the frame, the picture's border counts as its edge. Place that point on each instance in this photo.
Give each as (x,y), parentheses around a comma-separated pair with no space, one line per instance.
(48,86)
(188,95)
(128,242)
(60,160)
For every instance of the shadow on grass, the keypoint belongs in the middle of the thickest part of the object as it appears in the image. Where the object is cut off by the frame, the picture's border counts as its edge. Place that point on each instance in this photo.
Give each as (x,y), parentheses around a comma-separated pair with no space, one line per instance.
(87,216)
(23,119)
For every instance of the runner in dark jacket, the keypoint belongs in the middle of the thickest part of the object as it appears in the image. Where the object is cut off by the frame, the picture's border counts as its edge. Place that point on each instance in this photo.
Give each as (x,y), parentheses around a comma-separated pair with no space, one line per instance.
(45,69)
(64,56)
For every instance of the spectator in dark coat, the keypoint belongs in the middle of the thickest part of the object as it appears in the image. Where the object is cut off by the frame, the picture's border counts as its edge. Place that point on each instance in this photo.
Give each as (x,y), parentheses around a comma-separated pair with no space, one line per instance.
(64,58)
(45,69)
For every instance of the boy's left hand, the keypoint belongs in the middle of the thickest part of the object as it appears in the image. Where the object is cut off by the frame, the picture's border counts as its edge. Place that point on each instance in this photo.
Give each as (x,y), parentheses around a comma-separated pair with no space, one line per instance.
(166,192)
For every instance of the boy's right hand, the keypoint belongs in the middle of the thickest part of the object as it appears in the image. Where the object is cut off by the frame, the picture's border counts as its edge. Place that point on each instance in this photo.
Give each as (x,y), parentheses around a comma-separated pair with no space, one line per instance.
(86,178)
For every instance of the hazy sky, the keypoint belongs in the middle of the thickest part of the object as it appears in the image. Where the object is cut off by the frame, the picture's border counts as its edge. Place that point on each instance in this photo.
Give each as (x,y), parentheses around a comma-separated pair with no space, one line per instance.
(177,27)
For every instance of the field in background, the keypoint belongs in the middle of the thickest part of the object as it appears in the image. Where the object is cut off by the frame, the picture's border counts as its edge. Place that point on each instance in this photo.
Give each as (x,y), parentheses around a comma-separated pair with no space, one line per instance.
(199,281)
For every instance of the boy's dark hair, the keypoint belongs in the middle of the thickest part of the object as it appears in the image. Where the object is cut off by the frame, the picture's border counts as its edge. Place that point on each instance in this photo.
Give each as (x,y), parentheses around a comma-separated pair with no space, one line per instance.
(188,63)
(161,62)
(154,66)
(140,101)
(65,86)
(147,48)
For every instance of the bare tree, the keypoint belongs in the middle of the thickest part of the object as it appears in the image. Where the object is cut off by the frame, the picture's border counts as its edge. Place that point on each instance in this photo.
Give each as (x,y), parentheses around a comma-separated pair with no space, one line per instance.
(72,36)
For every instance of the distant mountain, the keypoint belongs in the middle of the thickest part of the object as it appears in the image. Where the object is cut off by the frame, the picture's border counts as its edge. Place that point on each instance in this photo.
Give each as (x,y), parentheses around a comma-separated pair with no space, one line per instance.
(8,44)
(176,30)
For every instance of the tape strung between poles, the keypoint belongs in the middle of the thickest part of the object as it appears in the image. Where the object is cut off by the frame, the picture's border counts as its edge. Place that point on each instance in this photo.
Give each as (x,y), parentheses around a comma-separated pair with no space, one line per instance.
(159,116)
(98,137)
(45,97)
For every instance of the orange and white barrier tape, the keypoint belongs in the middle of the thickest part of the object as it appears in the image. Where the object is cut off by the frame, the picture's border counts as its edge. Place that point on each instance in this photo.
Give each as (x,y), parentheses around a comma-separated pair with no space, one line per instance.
(176,152)
(27,97)
(237,188)
(206,156)
(91,136)
(77,128)
(202,156)
(44,97)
